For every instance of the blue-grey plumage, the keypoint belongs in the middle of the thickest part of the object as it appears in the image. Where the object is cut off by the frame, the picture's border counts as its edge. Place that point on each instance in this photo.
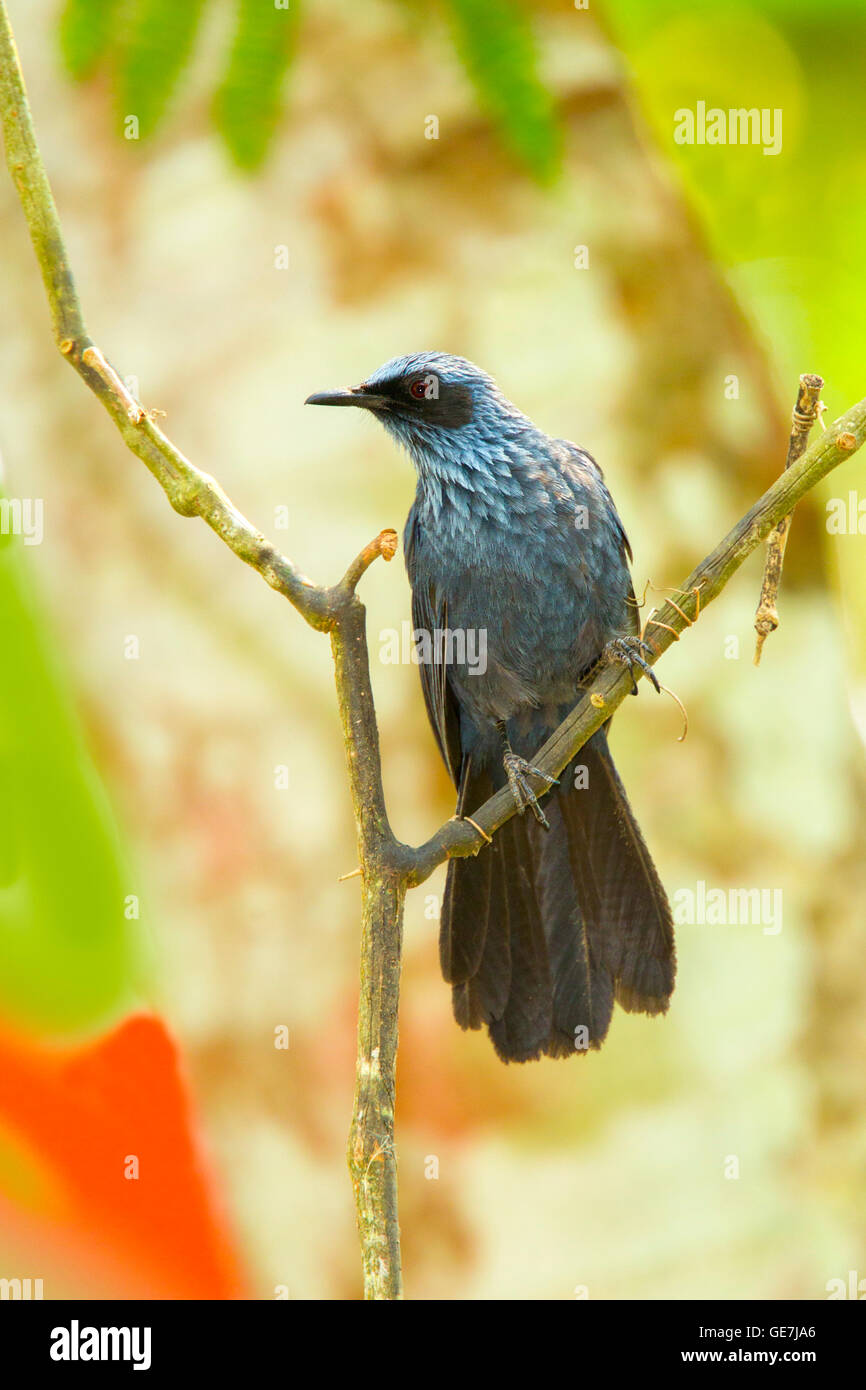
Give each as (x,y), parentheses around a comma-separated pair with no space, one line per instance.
(514,543)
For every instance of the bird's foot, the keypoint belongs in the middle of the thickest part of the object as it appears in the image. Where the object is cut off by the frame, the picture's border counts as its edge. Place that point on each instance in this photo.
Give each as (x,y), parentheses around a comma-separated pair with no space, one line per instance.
(628,651)
(517,770)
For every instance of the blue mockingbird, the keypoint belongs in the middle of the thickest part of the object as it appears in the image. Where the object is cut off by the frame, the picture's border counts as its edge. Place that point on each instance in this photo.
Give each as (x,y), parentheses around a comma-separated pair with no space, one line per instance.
(514,541)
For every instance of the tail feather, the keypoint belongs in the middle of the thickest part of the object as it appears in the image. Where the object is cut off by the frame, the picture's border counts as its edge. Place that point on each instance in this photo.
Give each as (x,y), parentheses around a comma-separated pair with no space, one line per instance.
(543,930)
(523,1031)
(640,941)
(484,997)
(464,922)
(582,983)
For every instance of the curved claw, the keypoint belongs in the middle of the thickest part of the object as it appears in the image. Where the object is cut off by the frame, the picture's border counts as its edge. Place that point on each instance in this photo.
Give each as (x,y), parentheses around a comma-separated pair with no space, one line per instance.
(517,770)
(628,651)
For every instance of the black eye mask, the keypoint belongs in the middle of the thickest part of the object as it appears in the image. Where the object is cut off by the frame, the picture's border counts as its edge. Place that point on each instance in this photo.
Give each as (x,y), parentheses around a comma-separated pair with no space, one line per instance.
(448,404)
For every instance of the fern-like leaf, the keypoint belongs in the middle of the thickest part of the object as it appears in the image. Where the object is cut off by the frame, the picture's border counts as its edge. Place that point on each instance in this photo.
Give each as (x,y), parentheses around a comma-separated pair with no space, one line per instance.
(249,99)
(86,30)
(495,43)
(156,44)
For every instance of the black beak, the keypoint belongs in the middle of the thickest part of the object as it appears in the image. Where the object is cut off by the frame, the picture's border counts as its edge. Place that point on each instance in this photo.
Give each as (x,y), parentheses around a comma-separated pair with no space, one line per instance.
(356,395)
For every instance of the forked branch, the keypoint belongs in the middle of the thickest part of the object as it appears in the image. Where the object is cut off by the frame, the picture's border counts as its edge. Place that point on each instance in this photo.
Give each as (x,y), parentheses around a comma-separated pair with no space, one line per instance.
(388,867)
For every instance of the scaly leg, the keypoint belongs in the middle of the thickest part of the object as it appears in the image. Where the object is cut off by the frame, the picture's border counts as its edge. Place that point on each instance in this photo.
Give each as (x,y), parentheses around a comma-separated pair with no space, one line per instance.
(517,770)
(628,651)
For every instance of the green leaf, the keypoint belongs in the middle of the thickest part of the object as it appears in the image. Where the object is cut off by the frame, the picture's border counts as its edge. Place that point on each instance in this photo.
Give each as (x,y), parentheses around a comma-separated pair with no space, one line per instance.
(495,43)
(86,28)
(156,45)
(69,959)
(248,103)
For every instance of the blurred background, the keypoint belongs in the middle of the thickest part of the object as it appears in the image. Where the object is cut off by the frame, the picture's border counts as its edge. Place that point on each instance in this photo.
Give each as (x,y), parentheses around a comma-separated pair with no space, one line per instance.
(263,201)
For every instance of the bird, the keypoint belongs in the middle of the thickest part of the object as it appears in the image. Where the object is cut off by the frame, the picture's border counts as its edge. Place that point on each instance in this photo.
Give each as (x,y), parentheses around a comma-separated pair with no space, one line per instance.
(519,569)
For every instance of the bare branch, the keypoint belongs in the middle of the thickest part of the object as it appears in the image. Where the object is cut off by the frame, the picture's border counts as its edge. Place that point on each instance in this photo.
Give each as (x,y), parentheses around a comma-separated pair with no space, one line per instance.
(805,413)
(388,867)
(190,491)
(611,685)
(385,544)
(336,610)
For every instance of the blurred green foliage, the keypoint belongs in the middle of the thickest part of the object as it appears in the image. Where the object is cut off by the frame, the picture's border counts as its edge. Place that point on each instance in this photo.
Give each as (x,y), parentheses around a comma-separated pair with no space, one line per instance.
(68,956)
(496,46)
(788,230)
(762,1054)
(147,45)
(86,27)
(247,105)
(156,40)
(799,217)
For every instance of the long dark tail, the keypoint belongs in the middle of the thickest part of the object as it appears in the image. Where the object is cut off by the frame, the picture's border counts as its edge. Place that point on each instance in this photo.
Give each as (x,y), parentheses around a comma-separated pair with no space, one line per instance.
(545,929)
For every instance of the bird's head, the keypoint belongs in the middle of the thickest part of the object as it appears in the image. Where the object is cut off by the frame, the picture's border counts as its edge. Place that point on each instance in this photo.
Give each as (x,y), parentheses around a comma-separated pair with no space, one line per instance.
(437,405)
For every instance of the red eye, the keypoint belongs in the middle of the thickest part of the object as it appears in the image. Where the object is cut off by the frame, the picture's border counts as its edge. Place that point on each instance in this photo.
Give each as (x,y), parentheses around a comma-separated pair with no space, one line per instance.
(418,389)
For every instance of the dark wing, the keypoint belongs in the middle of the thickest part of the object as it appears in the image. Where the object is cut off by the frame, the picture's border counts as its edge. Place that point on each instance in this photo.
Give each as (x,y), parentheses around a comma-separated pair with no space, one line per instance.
(430,613)
(582,458)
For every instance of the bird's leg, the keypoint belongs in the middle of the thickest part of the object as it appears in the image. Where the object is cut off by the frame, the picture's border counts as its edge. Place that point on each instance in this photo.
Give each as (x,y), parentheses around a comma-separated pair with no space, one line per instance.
(516,770)
(628,651)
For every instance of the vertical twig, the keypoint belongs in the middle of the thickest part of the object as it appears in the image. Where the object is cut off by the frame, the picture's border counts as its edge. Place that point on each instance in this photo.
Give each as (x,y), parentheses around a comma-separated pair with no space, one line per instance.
(387,867)
(371,1154)
(803,418)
